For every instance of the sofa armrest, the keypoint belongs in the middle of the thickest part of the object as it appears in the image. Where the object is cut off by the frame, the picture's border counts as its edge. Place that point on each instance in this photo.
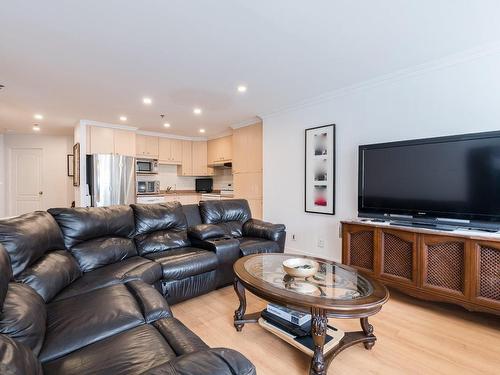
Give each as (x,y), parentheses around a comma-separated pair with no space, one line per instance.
(227,251)
(218,361)
(263,229)
(205,232)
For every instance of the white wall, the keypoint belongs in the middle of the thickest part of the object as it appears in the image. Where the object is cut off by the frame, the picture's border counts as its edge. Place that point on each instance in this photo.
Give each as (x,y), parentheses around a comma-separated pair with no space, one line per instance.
(454,97)
(57,186)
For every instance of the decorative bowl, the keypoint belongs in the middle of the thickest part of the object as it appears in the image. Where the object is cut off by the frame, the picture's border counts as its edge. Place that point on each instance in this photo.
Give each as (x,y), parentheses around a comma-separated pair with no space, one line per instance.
(300,267)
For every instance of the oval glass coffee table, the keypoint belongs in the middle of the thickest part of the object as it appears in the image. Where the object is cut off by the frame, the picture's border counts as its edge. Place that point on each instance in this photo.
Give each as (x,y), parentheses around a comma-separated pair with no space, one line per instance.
(335,291)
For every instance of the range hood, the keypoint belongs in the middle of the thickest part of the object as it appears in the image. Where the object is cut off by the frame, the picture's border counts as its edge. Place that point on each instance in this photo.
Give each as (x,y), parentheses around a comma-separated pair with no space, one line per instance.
(225,165)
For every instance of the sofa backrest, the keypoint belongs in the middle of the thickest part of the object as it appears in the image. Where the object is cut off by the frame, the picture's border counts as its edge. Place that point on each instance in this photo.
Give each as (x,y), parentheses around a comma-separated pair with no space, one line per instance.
(159,227)
(229,214)
(35,247)
(192,212)
(97,236)
(22,310)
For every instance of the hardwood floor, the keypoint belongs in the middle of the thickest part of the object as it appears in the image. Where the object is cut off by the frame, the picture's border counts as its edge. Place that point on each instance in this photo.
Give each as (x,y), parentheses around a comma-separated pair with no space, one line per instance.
(414,337)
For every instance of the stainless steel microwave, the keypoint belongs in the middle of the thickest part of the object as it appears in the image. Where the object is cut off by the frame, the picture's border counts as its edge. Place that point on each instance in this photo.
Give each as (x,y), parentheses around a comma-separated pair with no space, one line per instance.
(148,187)
(149,166)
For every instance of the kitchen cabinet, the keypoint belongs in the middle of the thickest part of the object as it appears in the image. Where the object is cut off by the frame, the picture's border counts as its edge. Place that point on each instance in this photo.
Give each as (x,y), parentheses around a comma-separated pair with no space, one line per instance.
(194,159)
(124,142)
(247,149)
(200,158)
(186,167)
(170,151)
(147,146)
(247,166)
(219,150)
(103,140)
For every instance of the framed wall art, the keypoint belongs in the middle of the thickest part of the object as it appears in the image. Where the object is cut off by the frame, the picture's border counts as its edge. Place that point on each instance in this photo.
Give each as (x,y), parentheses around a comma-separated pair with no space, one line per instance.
(320,170)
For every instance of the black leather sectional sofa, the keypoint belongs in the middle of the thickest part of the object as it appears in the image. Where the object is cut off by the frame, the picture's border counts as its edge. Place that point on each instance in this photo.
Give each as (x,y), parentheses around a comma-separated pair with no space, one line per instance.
(87,290)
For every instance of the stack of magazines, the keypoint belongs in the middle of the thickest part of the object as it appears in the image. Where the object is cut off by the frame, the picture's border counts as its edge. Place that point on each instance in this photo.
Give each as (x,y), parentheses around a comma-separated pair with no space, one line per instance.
(295,327)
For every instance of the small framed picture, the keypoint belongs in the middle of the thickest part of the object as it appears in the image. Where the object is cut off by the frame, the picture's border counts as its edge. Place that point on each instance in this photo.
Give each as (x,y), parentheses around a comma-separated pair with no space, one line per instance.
(320,170)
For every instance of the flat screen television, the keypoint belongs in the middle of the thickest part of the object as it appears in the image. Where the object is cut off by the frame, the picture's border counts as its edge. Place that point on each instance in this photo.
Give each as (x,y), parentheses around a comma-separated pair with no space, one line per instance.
(455,177)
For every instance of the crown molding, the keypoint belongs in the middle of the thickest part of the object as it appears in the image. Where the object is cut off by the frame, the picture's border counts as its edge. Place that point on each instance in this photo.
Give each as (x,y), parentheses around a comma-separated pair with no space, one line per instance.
(402,74)
(107,125)
(225,133)
(171,136)
(250,121)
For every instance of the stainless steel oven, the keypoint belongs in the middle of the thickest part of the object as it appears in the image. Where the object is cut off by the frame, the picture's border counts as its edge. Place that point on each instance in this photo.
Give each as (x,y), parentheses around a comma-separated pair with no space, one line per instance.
(146,166)
(148,187)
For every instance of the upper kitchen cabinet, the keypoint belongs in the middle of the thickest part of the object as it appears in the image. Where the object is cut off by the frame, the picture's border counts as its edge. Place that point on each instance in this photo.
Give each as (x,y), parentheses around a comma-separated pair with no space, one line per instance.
(247,149)
(147,146)
(200,158)
(103,140)
(170,151)
(186,167)
(220,150)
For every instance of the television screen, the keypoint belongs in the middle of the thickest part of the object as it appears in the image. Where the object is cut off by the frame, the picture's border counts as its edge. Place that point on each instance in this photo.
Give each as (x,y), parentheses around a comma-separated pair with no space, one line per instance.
(449,177)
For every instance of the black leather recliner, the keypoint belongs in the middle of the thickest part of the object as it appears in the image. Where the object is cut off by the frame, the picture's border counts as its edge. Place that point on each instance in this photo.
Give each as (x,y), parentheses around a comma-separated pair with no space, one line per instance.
(112,322)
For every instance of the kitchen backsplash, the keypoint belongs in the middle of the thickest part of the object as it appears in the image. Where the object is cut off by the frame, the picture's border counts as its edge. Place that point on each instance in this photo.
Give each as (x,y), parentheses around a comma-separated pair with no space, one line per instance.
(168,177)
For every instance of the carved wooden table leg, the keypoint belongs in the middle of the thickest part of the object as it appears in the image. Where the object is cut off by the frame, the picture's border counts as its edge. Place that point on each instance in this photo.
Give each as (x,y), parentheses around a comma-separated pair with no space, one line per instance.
(368,331)
(240,312)
(318,332)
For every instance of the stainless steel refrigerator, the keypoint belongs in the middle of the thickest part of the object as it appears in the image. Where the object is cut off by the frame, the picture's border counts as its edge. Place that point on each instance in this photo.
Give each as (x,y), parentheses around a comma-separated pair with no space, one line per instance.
(111,179)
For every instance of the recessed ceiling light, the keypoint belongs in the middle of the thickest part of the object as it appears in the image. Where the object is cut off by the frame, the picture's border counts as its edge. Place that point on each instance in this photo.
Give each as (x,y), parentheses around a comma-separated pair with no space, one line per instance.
(167,125)
(242,88)
(36,127)
(197,111)
(123,118)
(202,130)
(38,116)
(147,101)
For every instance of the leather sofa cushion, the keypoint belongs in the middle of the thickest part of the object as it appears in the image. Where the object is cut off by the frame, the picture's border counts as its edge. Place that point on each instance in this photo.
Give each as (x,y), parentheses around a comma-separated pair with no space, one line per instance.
(180,290)
(134,268)
(17,359)
(161,241)
(179,337)
(215,212)
(152,303)
(254,245)
(5,274)
(218,361)
(102,251)
(82,320)
(83,224)
(131,352)
(158,217)
(27,237)
(51,273)
(24,316)
(181,263)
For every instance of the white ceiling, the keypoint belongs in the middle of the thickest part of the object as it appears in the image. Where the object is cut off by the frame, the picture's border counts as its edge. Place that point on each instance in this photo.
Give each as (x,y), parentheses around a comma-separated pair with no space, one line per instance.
(95,59)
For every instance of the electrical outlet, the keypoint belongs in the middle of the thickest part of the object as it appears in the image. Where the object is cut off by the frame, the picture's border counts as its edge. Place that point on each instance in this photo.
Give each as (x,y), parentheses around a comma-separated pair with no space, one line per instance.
(293,237)
(321,242)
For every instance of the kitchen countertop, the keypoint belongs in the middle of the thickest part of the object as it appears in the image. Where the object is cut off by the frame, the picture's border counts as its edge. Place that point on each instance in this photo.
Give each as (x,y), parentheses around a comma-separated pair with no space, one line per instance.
(183,192)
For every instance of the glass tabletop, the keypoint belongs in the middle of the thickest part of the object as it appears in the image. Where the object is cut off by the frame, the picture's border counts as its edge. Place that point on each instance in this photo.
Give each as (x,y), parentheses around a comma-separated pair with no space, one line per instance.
(332,280)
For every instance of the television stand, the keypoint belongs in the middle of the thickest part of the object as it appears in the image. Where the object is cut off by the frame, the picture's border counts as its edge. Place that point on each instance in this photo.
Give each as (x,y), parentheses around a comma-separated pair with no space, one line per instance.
(461,267)
(442,227)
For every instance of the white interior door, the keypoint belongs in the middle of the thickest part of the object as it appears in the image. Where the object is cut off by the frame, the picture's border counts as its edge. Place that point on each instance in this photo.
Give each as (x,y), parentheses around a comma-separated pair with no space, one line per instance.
(26,189)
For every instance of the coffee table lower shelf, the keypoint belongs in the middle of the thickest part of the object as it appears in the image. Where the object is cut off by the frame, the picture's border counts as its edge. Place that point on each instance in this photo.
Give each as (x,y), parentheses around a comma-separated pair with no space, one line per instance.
(337,336)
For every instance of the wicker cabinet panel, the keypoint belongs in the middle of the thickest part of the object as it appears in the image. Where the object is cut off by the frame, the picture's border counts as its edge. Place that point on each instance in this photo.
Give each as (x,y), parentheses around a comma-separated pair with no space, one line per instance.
(486,264)
(444,264)
(359,247)
(398,256)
